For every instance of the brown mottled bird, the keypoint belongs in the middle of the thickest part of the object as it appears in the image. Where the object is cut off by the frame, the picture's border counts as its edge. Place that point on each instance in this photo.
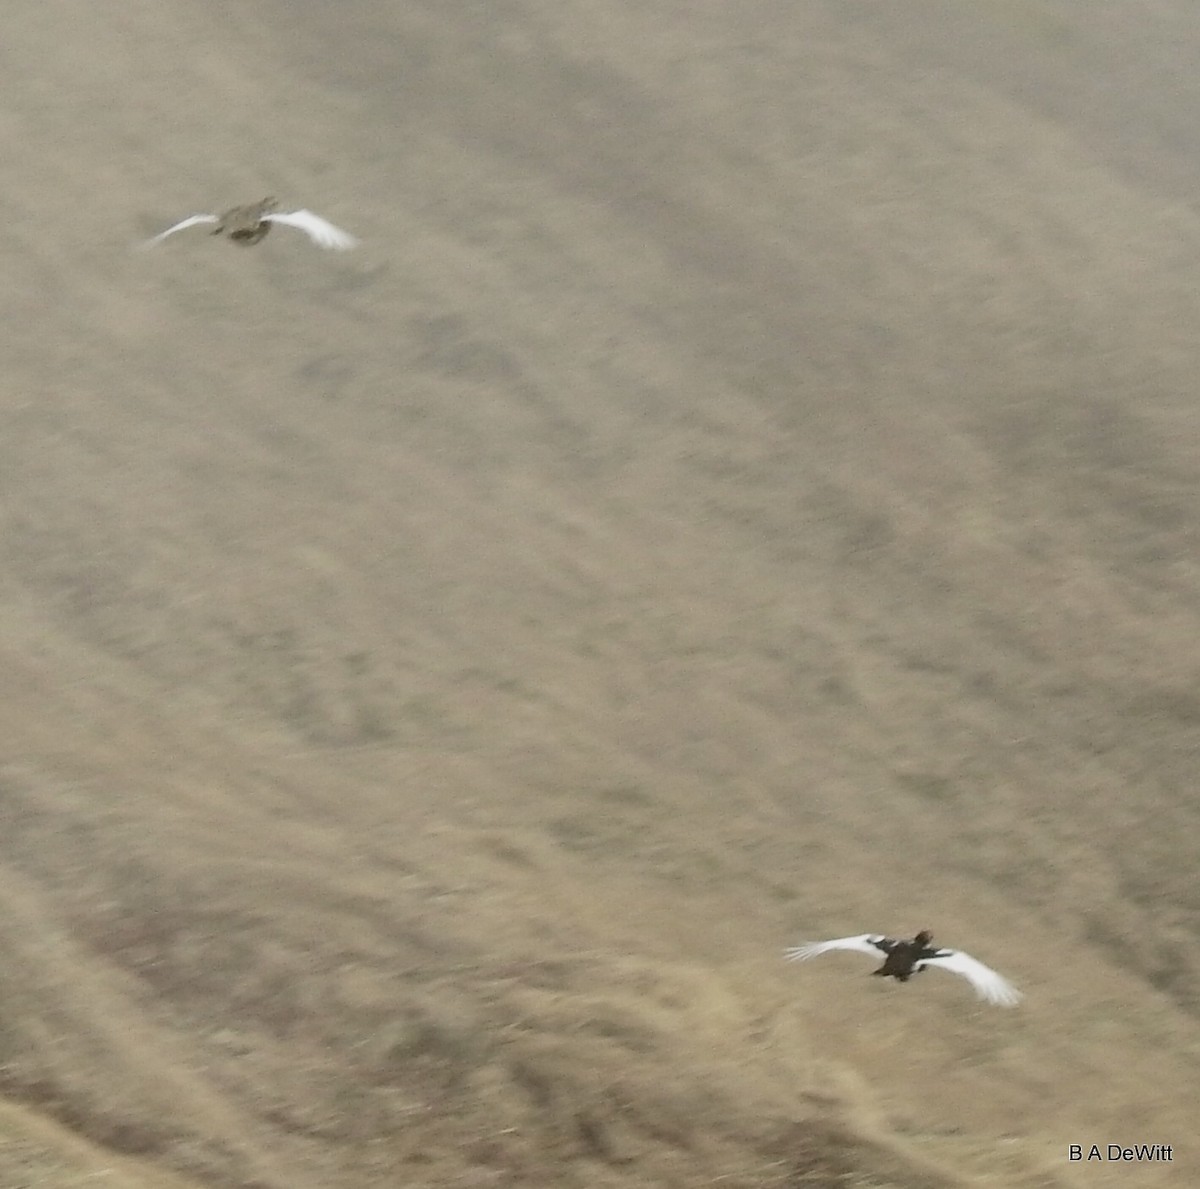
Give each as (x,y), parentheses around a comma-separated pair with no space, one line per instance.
(903,959)
(248,224)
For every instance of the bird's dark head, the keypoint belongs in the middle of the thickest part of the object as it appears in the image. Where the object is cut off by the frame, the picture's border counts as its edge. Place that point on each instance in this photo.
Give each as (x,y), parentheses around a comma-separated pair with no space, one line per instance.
(923,938)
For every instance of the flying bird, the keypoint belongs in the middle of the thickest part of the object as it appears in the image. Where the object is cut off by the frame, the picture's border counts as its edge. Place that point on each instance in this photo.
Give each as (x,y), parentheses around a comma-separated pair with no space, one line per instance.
(903,959)
(247,225)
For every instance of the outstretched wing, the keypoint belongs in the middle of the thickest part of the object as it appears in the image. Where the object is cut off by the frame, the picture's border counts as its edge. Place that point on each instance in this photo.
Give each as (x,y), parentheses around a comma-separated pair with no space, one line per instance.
(320,231)
(874,944)
(987,983)
(190,221)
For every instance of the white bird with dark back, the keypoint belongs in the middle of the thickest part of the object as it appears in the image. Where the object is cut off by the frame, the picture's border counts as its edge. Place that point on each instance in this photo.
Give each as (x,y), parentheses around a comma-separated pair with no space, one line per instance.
(903,959)
(247,225)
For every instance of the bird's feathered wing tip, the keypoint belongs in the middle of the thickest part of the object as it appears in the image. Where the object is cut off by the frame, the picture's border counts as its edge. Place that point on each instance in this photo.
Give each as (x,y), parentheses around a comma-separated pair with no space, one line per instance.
(866,943)
(320,231)
(190,221)
(988,985)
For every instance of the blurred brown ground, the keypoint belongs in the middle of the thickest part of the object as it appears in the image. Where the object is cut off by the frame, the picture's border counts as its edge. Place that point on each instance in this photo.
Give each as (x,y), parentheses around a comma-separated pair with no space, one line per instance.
(744,488)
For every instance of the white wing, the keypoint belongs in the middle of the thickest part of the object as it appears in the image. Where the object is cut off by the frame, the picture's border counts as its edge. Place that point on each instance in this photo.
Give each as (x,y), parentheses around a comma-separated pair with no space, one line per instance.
(190,221)
(867,943)
(987,983)
(320,231)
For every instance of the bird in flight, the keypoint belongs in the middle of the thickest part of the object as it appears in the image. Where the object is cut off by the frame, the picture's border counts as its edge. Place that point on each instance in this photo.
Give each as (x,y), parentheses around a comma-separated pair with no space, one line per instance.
(903,959)
(247,225)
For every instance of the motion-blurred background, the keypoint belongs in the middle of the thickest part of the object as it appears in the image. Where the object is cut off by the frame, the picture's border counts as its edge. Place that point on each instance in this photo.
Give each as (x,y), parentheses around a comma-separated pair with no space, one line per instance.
(744,488)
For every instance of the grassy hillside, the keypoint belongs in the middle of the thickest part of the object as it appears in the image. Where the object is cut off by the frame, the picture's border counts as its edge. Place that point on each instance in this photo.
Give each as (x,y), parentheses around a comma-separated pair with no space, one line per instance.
(744,488)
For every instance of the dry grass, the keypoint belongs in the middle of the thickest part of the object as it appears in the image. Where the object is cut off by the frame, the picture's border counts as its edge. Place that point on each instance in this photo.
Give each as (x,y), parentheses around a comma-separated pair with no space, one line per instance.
(744,487)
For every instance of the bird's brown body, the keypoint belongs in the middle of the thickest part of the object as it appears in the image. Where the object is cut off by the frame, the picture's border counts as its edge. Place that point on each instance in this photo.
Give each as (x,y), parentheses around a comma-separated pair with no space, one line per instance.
(246,225)
(903,956)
